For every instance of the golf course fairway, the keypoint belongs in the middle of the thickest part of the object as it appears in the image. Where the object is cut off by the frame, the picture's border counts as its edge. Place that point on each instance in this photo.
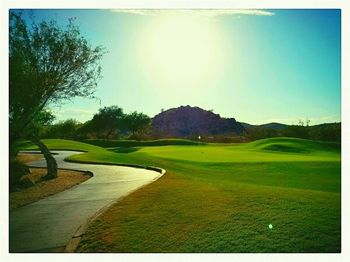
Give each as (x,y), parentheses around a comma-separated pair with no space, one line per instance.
(270,195)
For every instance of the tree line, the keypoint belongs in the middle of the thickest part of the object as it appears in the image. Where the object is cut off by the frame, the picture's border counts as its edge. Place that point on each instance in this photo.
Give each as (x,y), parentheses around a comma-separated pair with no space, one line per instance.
(330,132)
(108,123)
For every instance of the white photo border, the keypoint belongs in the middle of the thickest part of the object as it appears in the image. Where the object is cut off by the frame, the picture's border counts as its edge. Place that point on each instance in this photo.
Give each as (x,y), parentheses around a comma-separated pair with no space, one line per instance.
(344,5)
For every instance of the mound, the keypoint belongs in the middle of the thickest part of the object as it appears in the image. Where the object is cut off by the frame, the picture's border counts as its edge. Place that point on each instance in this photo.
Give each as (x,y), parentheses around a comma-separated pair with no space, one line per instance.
(293,145)
(59,144)
(285,148)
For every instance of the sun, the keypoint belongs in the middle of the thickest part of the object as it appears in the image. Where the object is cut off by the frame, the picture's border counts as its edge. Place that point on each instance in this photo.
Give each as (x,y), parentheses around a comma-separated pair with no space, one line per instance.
(182,50)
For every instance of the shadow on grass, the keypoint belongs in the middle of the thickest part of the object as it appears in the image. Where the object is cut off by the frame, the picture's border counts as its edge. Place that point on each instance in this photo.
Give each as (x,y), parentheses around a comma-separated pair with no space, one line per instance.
(124,150)
(22,144)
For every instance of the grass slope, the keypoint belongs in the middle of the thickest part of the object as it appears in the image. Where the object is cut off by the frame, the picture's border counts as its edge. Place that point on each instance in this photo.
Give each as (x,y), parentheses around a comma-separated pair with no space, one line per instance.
(221,198)
(60,144)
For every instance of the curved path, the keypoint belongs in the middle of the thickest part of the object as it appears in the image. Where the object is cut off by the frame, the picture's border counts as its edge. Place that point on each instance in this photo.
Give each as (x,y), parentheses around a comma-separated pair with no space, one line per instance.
(49,224)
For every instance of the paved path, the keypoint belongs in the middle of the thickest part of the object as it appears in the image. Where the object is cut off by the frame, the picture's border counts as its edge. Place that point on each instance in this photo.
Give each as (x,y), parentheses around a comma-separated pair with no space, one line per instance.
(50,223)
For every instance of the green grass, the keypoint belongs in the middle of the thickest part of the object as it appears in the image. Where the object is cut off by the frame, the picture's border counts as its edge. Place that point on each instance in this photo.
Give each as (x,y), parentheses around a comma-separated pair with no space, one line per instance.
(221,198)
(60,144)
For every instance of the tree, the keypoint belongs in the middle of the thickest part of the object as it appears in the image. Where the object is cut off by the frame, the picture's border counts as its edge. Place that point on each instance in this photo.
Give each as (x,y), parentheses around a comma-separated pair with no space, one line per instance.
(64,129)
(34,130)
(40,122)
(137,122)
(300,131)
(47,65)
(262,132)
(106,123)
(326,132)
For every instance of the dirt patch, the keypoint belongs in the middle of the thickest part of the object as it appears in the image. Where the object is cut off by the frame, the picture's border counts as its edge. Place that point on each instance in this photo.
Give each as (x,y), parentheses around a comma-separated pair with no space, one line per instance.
(65,179)
(26,158)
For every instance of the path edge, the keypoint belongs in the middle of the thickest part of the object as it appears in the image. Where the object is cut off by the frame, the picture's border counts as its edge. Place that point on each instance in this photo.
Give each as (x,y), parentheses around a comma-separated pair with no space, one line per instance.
(76,238)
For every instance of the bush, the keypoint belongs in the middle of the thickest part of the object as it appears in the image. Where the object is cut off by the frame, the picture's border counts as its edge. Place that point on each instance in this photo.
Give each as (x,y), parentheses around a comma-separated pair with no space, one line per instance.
(16,172)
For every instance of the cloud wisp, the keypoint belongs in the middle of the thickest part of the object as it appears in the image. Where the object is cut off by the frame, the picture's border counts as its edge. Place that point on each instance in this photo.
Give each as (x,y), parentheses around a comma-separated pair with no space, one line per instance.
(208,13)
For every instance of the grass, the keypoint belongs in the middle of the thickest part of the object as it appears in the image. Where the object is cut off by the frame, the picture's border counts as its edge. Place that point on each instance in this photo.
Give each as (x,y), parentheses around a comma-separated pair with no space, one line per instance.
(59,144)
(221,198)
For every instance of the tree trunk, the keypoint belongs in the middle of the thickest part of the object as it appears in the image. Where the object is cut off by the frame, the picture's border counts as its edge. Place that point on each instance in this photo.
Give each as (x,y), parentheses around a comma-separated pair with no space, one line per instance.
(50,160)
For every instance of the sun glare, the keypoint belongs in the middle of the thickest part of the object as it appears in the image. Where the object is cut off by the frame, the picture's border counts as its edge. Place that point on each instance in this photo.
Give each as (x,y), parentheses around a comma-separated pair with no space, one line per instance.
(182,51)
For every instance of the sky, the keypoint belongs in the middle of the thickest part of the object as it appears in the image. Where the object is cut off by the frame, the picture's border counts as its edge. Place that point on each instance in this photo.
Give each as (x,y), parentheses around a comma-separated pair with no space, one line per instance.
(257,66)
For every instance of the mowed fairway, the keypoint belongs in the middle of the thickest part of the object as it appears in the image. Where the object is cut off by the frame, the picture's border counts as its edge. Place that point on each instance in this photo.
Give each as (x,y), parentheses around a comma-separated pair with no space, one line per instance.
(222,198)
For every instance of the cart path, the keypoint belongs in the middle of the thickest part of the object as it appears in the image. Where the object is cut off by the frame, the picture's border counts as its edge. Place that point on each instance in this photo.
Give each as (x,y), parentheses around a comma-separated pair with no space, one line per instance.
(50,223)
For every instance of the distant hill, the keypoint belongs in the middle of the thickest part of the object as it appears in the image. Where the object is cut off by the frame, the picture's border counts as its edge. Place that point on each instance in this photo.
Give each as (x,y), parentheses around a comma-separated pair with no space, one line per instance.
(273,125)
(187,122)
(325,125)
(322,132)
(279,126)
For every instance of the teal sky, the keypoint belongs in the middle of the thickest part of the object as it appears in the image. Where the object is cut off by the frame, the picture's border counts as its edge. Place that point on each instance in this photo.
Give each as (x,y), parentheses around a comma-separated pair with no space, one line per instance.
(258,66)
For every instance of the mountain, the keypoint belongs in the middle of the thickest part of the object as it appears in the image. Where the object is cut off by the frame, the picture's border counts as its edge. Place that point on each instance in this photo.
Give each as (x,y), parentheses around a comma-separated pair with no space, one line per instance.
(187,122)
